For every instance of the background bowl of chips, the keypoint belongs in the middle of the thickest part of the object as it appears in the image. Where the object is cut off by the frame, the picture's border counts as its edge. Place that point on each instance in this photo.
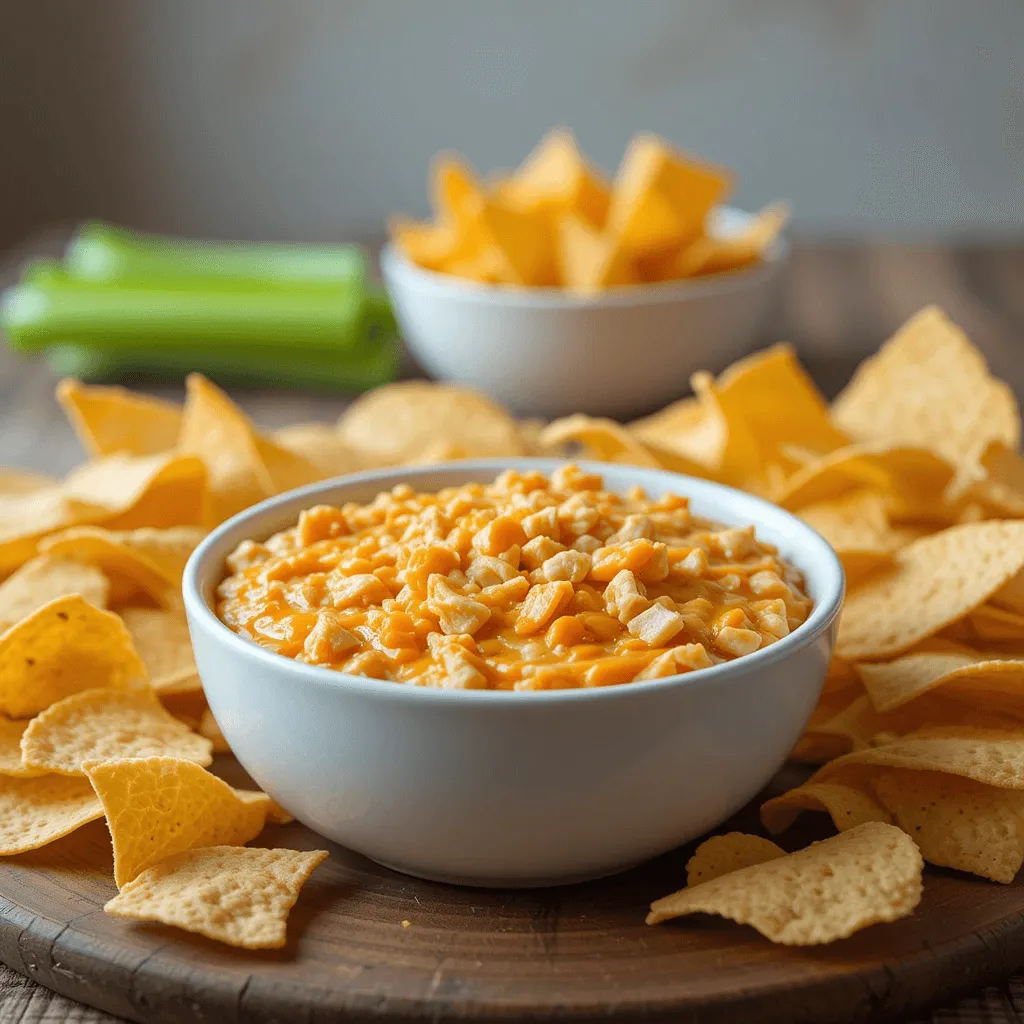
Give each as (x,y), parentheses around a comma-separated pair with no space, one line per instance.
(549,351)
(512,788)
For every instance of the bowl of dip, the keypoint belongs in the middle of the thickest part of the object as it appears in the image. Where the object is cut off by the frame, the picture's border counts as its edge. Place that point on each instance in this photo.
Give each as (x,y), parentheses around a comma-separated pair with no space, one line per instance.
(513,672)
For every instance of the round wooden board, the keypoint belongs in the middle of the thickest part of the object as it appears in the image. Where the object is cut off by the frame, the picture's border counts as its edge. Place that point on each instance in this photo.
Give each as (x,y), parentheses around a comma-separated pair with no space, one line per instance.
(575,953)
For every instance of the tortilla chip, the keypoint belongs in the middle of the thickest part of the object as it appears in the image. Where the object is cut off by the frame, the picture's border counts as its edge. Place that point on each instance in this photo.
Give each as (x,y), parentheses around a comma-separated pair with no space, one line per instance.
(739,460)
(45,578)
(846,804)
(714,253)
(159,806)
(557,177)
(128,569)
(37,811)
(661,198)
(589,259)
(957,823)
(106,725)
(1011,595)
(209,728)
(113,420)
(780,402)
(227,893)
(914,480)
(397,422)
(167,550)
(825,892)
(604,440)
(10,749)
(142,490)
(721,854)
(856,527)
(993,757)
(989,622)
(936,581)
(162,640)
(218,432)
(276,814)
(893,684)
(929,386)
(321,445)
(28,517)
(64,647)
(23,481)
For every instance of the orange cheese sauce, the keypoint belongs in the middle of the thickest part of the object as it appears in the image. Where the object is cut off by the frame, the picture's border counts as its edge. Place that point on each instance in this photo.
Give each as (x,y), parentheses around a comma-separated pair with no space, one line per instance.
(529,583)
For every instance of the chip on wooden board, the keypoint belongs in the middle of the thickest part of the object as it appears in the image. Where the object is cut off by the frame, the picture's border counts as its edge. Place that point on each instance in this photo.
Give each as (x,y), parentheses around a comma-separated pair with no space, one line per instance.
(231,894)
(66,646)
(209,728)
(158,806)
(128,570)
(847,805)
(107,725)
(893,684)
(276,814)
(721,854)
(956,822)
(828,891)
(162,640)
(929,386)
(395,423)
(45,578)
(37,811)
(113,420)
(11,731)
(935,581)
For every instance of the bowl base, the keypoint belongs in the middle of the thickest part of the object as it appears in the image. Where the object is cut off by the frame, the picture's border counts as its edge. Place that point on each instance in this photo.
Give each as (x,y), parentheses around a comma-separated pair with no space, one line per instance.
(477,882)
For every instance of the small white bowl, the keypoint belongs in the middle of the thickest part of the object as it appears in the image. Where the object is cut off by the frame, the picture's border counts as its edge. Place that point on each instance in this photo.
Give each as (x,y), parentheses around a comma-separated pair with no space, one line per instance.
(549,352)
(500,788)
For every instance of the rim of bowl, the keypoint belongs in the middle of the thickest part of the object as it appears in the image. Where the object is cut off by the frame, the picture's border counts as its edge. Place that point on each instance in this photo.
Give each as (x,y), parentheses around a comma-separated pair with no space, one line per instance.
(395,264)
(825,611)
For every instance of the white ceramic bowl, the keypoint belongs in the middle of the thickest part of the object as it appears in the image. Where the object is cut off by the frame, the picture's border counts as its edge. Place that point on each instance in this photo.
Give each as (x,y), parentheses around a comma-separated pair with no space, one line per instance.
(548,352)
(512,788)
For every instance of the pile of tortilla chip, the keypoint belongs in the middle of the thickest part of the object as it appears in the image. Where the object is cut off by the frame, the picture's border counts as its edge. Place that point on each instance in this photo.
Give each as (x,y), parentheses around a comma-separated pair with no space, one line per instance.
(558,222)
(914,475)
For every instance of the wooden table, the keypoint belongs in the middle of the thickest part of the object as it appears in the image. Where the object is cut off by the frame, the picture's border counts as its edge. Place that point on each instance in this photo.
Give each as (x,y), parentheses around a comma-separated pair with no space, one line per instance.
(838,303)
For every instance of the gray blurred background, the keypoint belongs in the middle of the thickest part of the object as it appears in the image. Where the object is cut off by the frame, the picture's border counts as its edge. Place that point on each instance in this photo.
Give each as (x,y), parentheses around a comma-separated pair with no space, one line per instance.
(315,119)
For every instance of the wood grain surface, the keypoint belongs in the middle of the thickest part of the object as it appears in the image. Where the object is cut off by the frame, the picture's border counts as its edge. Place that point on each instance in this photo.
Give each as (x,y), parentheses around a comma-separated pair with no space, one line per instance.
(582,948)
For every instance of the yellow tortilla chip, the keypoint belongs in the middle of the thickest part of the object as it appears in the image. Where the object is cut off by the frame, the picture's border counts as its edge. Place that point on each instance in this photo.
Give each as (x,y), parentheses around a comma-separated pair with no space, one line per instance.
(106,725)
(936,581)
(893,684)
(556,176)
(37,811)
(159,806)
(428,245)
(991,756)
(64,647)
(398,422)
(829,890)
(128,570)
(321,445)
(26,518)
(1011,595)
(739,460)
(45,578)
(218,432)
(989,622)
(721,854)
(286,468)
(914,479)
(113,420)
(11,732)
(957,823)
(23,481)
(718,253)
(661,198)
(238,896)
(603,439)
(856,527)
(276,814)
(848,805)
(161,637)
(209,728)
(589,260)
(525,240)
(929,386)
